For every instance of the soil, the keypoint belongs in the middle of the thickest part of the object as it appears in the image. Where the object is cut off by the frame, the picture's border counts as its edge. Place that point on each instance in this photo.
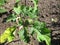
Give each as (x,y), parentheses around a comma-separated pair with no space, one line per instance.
(49,11)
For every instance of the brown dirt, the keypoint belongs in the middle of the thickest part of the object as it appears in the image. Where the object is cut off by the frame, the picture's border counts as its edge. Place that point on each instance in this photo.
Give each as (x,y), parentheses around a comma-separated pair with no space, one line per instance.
(49,9)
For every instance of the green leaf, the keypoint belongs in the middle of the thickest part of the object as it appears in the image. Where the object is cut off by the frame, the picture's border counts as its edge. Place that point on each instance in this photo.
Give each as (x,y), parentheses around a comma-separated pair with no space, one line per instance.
(41,37)
(39,25)
(32,15)
(2,2)
(47,40)
(17,1)
(24,9)
(45,31)
(10,38)
(2,10)
(31,30)
(24,35)
(17,10)
(35,1)
(20,22)
(30,21)
(21,34)
(7,35)
(11,18)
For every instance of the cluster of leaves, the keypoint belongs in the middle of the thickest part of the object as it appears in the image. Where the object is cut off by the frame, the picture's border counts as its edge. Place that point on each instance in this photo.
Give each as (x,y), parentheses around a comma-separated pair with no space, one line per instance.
(27,17)
(23,11)
(38,28)
(43,33)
